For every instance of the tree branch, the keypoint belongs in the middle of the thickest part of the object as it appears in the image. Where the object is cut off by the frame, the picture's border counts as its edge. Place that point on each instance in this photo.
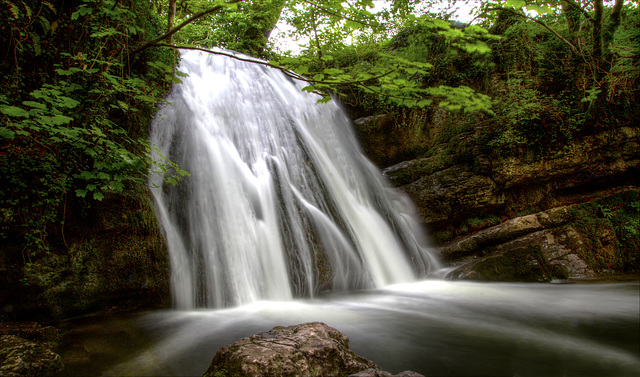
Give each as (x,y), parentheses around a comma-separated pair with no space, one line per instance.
(171,32)
(577,6)
(573,48)
(287,72)
(331,13)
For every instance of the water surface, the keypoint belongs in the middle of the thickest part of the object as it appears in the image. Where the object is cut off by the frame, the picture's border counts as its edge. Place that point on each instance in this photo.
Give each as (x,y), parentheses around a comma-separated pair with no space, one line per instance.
(433,327)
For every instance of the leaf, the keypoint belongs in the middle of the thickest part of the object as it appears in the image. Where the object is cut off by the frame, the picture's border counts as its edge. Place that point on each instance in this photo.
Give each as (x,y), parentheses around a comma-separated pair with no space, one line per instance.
(37,105)
(82,11)
(50,6)
(15,11)
(98,195)
(7,134)
(58,120)
(105,33)
(13,111)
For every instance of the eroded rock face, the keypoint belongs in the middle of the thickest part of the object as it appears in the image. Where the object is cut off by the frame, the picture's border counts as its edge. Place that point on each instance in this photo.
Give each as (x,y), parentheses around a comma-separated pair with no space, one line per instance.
(539,247)
(452,192)
(308,349)
(24,358)
(445,191)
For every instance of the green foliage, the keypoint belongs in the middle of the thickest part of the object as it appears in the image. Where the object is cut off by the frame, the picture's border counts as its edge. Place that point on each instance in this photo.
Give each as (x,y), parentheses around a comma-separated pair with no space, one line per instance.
(372,67)
(75,124)
(617,216)
(530,120)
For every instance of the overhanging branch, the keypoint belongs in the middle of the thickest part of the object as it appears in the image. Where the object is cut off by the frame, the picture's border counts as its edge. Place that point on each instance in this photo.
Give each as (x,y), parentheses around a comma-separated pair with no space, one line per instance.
(183,24)
(283,70)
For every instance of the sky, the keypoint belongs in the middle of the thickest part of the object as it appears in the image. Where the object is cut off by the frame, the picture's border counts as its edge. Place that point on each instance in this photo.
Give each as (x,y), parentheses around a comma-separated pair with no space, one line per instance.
(463,14)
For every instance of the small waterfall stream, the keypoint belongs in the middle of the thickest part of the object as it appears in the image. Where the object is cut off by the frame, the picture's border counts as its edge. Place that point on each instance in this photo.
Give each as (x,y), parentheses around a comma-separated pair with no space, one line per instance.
(281,202)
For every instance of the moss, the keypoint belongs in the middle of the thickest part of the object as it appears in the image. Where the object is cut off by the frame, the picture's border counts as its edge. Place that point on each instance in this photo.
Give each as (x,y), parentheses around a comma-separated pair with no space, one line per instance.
(611,227)
(119,261)
(521,265)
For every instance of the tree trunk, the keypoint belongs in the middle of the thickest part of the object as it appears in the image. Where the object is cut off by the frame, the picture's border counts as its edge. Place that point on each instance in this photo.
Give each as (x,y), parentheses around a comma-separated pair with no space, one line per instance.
(171,18)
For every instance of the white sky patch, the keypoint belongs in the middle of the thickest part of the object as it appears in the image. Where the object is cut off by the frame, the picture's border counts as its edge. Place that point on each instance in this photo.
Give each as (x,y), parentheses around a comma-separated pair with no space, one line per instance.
(279,36)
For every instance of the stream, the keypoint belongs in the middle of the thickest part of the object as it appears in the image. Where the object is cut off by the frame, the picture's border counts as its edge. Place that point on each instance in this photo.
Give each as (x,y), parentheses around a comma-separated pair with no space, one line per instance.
(433,327)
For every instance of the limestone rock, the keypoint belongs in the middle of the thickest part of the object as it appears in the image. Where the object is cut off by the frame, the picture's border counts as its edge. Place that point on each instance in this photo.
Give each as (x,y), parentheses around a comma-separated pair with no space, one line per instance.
(536,257)
(381,373)
(24,358)
(309,349)
(452,192)
(591,158)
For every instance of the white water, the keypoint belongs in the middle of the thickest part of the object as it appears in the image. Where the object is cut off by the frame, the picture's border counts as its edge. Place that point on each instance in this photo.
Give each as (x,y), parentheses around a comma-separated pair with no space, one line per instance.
(436,328)
(281,202)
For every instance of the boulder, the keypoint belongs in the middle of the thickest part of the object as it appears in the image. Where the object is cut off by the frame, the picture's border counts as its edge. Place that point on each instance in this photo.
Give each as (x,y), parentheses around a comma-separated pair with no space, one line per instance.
(308,349)
(538,247)
(453,193)
(25,358)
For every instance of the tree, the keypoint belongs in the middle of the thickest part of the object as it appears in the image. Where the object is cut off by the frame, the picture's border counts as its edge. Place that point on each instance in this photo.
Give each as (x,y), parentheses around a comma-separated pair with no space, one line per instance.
(589,36)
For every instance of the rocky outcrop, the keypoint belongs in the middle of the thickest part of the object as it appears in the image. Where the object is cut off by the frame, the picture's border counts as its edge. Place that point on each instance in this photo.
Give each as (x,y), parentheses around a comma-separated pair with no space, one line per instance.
(117,259)
(539,247)
(309,349)
(26,350)
(446,191)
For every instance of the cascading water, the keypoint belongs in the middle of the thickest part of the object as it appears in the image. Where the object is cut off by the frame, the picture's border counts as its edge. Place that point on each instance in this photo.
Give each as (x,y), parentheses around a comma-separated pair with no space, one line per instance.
(281,202)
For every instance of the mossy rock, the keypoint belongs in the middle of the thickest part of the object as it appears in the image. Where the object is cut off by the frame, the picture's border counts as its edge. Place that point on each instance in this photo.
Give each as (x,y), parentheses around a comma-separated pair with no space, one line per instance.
(525,264)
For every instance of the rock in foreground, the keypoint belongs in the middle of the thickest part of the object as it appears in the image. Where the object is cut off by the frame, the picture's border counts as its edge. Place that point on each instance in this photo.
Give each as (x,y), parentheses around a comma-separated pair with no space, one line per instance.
(308,349)
(21,357)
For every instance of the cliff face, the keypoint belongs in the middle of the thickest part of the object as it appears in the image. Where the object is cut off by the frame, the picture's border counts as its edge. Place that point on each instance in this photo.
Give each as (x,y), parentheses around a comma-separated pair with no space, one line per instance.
(570,213)
(113,256)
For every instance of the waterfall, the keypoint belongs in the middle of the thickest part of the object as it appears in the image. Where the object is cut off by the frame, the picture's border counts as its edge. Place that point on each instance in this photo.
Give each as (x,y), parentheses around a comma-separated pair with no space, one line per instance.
(281,202)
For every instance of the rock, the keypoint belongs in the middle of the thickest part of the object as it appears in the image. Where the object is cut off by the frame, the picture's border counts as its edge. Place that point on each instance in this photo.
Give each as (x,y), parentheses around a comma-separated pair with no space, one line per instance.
(591,158)
(447,190)
(535,257)
(308,349)
(504,232)
(24,358)
(381,373)
(452,193)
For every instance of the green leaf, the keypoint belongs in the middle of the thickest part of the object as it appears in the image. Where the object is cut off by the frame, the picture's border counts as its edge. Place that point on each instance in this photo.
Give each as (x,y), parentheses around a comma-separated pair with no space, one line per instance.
(7,134)
(82,11)
(98,195)
(37,105)
(13,111)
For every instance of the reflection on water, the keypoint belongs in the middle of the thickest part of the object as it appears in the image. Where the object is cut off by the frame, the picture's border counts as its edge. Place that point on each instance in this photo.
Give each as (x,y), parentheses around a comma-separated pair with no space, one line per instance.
(435,328)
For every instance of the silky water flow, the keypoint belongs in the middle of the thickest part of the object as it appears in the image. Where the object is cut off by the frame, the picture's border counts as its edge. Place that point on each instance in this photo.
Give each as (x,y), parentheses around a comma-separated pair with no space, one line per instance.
(283,221)
(281,202)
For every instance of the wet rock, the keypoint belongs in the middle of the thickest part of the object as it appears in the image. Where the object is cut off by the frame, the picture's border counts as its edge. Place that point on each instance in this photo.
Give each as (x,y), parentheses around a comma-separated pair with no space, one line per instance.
(538,256)
(504,232)
(25,358)
(452,193)
(590,158)
(308,349)
(381,373)
(446,191)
